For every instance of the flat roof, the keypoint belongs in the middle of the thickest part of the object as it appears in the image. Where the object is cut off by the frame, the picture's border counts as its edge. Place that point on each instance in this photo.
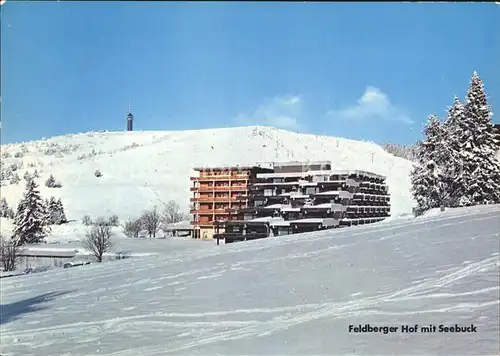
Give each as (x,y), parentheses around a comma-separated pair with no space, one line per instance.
(331,206)
(181,225)
(295,163)
(250,222)
(225,168)
(46,253)
(273,221)
(340,193)
(324,221)
(320,173)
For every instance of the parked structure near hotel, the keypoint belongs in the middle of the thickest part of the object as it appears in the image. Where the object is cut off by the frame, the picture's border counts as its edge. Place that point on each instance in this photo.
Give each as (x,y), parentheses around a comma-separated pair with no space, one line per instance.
(298,197)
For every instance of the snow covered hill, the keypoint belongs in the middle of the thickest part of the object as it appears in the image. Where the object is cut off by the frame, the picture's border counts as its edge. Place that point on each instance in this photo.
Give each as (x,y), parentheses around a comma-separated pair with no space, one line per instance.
(141,168)
(292,295)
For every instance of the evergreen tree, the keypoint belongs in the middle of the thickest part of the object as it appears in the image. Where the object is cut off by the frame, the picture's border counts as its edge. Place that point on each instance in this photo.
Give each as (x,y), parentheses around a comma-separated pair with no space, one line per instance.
(452,165)
(4,208)
(27,176)
(56,213)
(14,178)
(50,182)
(46,205)
(474,142)
(10,213)
(53,215)
(30,225)
(428,178)
(62,214)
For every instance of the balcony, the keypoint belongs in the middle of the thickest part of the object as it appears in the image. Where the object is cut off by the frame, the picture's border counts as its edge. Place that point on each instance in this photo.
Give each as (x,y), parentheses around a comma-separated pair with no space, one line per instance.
(224,211)
(202,223)
(234,188)
(219,177)
(217,199)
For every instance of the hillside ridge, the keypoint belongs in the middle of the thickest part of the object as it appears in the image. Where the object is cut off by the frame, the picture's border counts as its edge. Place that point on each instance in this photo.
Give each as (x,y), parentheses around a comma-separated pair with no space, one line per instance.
(142,168)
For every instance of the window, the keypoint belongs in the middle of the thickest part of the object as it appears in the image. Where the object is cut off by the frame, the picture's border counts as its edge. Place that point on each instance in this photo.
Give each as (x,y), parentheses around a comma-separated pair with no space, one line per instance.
(310,190)
(268,192)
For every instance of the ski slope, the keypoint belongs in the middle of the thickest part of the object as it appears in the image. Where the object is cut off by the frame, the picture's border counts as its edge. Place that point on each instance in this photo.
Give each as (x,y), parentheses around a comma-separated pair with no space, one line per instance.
(140,169)
(293,295)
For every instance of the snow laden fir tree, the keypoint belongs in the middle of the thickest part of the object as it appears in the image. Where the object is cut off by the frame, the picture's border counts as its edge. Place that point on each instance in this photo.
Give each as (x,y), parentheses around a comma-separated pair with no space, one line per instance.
(55,212)
(480,181)
(456,162)
(5,210)
(30,223)
(428,177)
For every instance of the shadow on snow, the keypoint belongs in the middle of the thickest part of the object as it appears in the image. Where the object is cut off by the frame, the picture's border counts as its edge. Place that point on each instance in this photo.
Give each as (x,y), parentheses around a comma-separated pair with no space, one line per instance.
(12,311)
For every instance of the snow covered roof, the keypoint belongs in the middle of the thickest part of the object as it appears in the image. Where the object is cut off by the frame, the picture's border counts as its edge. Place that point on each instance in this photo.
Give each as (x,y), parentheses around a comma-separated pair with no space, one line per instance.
(45,252)
(273,221)
(313,173)
(325,222)
(275,206)
(299,196)
(223,168)
(333,207)
(290,209)
(279,223)
(364,219)
(295,163)
(308,184)
(340,193)
(181,225)
(330,192)
(277,183)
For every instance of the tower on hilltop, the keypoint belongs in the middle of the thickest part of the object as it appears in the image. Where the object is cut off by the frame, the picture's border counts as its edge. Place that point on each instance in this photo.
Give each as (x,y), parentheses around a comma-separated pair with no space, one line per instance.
(130,119)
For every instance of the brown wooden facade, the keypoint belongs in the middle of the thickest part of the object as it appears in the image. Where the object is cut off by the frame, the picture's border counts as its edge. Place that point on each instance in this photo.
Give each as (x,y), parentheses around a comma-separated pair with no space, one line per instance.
(218,195)
(292,197)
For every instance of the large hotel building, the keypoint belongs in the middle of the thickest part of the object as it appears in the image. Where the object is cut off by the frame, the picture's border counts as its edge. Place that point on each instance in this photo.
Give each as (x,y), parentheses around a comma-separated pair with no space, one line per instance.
(291,197)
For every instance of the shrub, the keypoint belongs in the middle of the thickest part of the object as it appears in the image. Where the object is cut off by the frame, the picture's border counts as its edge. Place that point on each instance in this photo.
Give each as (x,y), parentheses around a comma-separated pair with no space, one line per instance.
(87,221)
(8,254)
(133,228)
(15,178)
(113,220)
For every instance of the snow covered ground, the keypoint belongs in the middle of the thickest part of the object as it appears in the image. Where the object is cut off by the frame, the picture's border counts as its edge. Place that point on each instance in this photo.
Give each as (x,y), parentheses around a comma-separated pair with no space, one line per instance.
(293,295)
(141,168)
(69,237)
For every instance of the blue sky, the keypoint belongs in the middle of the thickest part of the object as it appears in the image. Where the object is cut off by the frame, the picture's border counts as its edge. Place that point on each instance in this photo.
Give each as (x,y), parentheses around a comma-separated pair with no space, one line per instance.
(370,71)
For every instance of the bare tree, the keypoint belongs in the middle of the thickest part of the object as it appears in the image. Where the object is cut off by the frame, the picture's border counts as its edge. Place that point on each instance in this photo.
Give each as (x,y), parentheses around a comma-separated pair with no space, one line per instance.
(151,220)
(172,213)
(9,252)
(98,239)
(133,227)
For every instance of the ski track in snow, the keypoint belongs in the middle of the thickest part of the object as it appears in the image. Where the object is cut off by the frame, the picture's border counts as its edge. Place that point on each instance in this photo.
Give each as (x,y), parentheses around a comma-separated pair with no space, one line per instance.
(267,296)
